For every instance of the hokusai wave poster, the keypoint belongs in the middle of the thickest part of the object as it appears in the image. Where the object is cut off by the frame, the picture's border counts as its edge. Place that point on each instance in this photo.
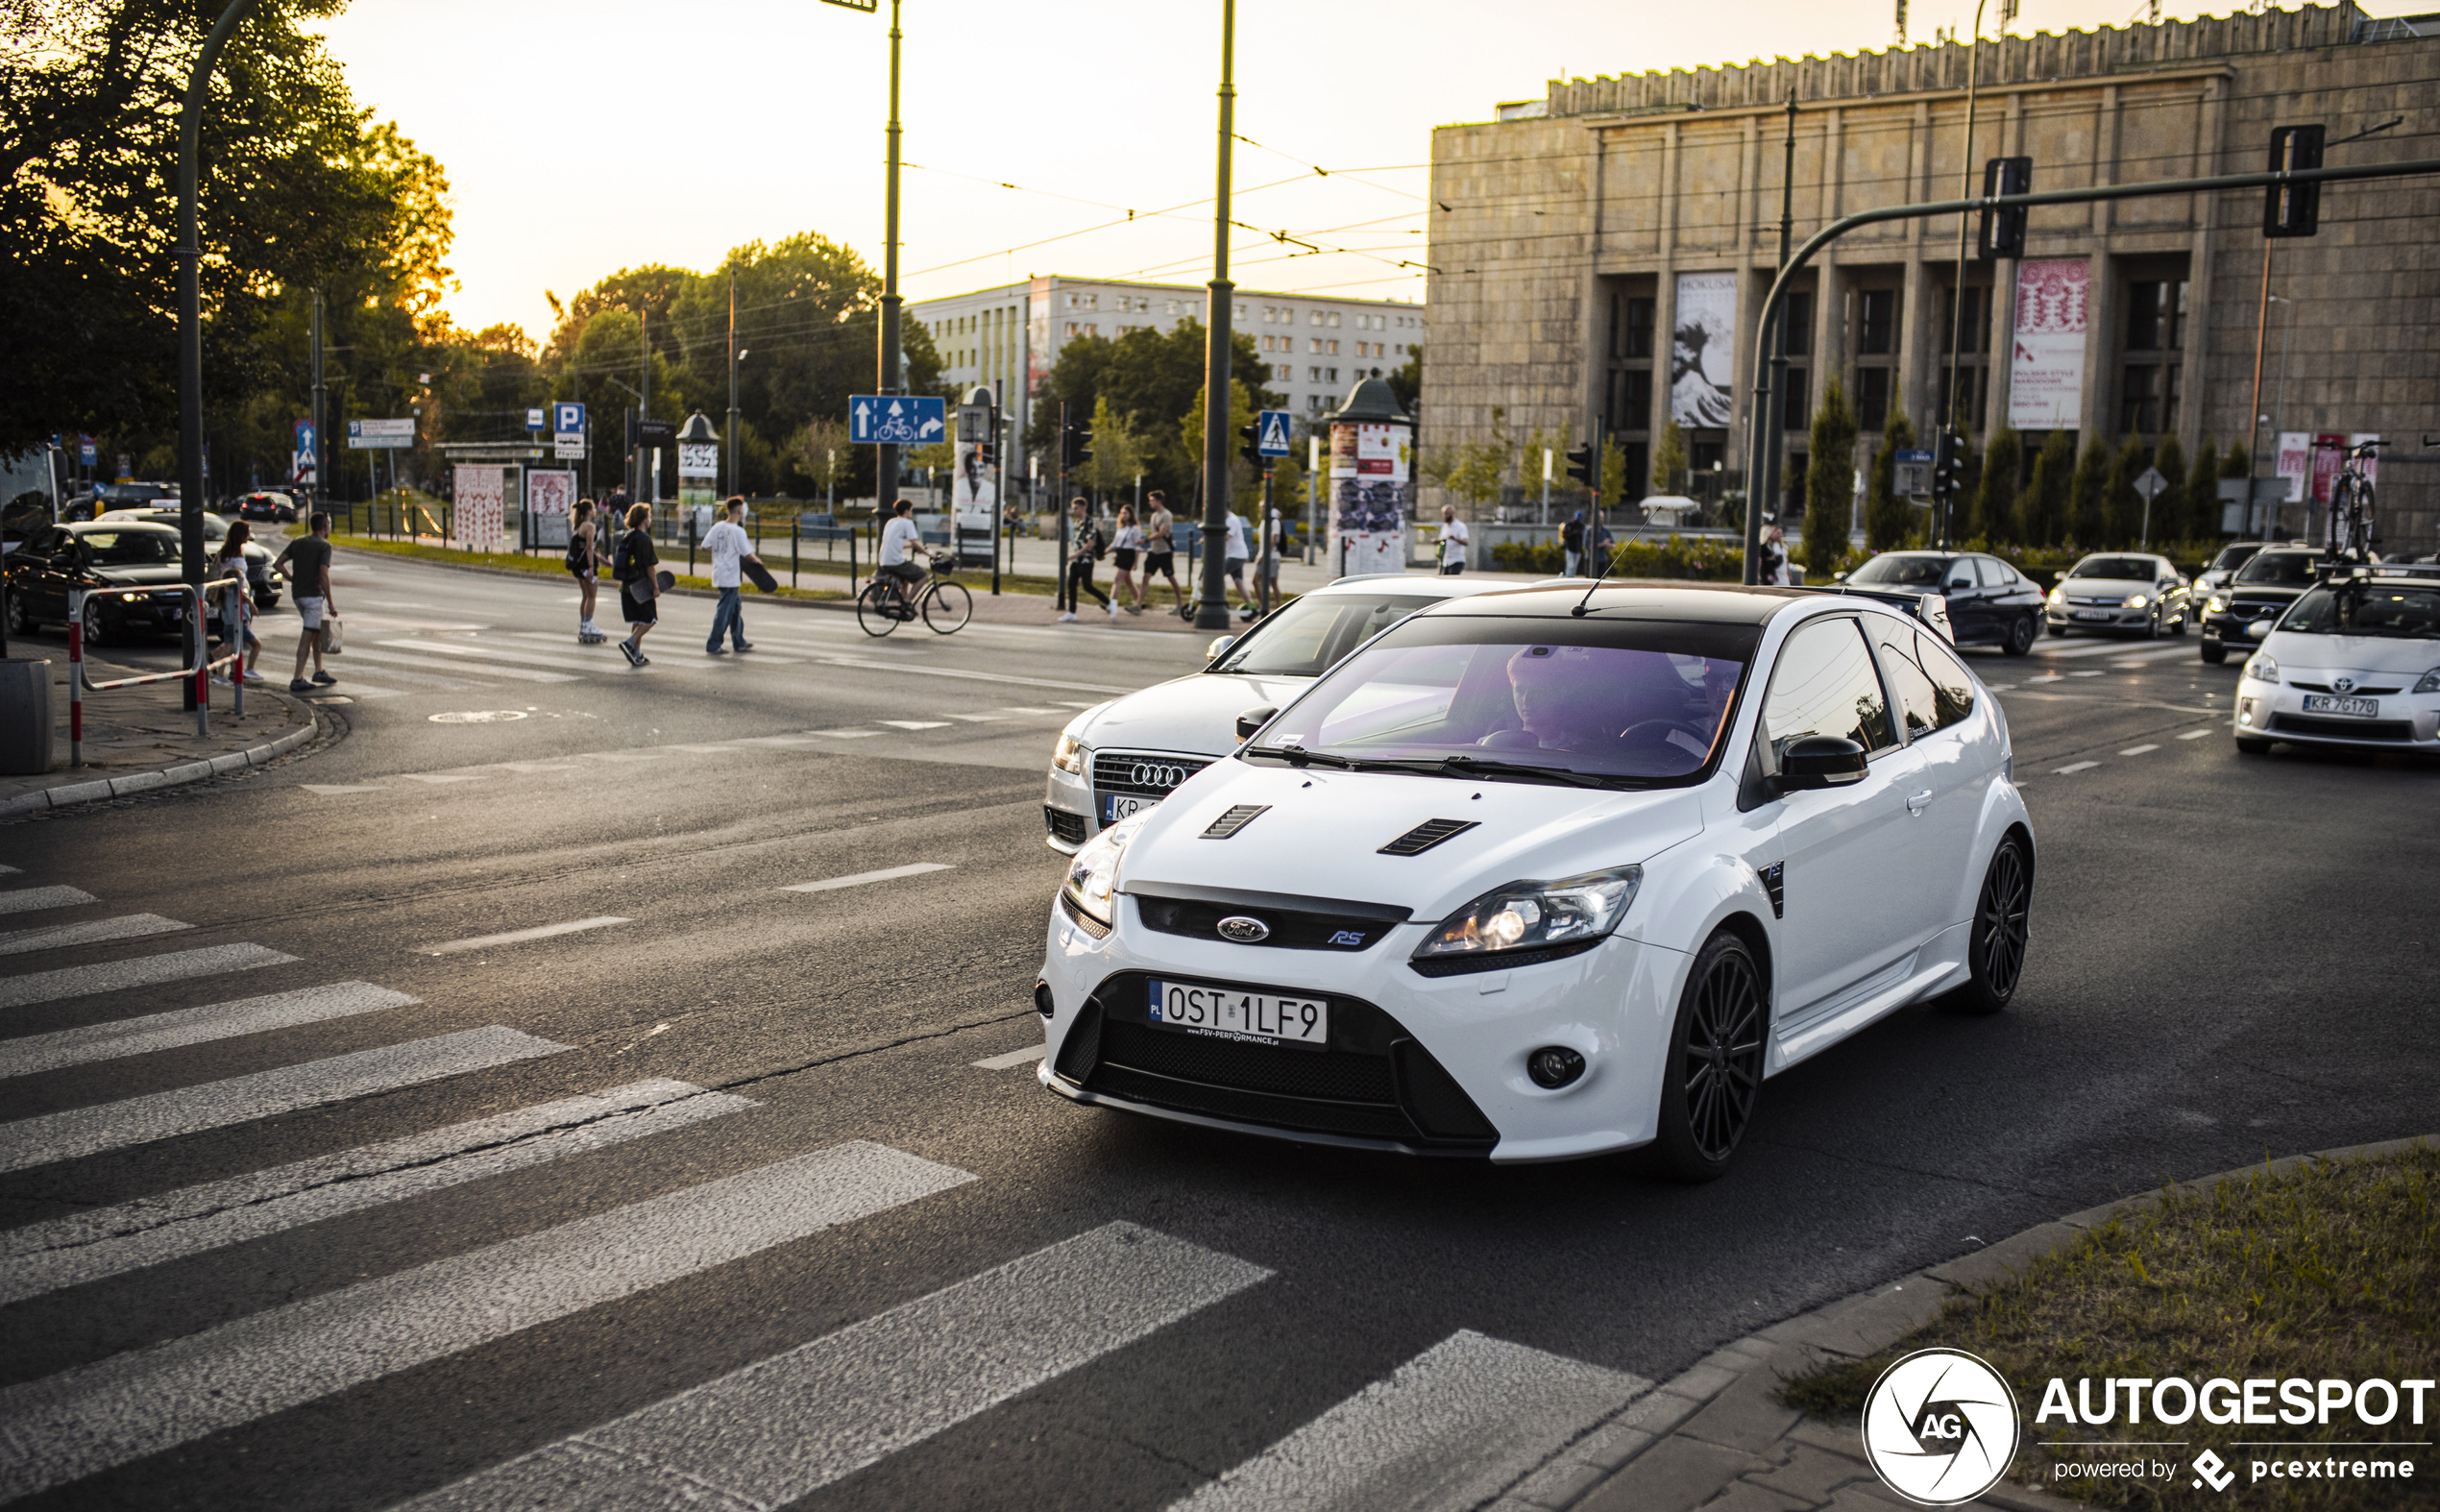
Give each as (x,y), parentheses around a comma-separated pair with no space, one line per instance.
(1703,348)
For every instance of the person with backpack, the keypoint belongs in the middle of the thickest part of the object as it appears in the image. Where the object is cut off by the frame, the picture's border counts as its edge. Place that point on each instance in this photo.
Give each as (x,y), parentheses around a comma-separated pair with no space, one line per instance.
(1088,550)
(637,567)
(586,564)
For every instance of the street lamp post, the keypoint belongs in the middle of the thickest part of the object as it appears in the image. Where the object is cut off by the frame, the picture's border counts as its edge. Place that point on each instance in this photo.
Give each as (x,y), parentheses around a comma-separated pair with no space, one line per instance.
(886,462)
(1211,605)
(190,328)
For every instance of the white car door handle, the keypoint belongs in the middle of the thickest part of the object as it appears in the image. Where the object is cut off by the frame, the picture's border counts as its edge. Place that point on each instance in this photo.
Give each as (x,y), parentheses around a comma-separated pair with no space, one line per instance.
(1915,802)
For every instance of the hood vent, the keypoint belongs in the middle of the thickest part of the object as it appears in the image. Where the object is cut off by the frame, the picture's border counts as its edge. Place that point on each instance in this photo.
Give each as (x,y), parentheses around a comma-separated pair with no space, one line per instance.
(1425,835)
(1235,819)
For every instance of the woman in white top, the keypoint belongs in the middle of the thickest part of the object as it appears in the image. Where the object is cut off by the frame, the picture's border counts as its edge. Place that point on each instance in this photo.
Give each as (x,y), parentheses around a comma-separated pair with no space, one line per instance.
(1123,550)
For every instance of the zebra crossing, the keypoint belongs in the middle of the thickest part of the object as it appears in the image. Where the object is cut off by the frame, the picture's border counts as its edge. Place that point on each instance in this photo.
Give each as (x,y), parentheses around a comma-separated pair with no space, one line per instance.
(1453,1426)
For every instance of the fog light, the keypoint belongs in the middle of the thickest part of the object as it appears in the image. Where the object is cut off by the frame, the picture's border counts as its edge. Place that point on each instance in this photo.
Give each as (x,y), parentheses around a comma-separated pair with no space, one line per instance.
(1043,1003)
(1554,1066)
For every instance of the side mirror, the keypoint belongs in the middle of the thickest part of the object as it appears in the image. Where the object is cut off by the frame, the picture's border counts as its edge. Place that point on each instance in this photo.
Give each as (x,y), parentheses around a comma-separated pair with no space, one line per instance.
(1838,577)
(1821,761)
(1219,644)
(1955,584)
(2258,629)
(1250,722)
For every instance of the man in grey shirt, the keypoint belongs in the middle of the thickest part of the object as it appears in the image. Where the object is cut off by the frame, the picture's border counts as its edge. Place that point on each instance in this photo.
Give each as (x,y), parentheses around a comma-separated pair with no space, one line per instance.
(307,563)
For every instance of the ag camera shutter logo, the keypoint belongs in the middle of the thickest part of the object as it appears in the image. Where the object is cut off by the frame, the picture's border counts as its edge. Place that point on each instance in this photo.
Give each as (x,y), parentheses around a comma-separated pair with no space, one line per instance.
(1940,1427)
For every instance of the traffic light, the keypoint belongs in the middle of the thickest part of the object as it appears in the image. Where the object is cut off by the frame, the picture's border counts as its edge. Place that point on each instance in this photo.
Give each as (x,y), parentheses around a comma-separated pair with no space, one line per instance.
(1946,452)
(1584,463)
(1251,450)
(989,448)
(2004,231)
(1076,445)
(2293,209)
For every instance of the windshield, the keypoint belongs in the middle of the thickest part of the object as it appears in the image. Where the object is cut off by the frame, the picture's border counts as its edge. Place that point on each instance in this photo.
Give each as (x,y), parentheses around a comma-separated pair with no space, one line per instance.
(1636,702)
(2280,570)
(1308,636)
(2232,557)
(130,547)
(1907,571)
(2115,568)
(2389,611)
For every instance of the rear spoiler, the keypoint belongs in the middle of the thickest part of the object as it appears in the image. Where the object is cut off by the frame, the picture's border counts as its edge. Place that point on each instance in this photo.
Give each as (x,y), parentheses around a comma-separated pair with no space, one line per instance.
(1931,610)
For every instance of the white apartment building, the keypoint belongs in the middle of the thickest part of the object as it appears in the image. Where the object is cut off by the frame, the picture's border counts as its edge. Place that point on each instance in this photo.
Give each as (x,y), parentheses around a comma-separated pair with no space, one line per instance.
(1314,348)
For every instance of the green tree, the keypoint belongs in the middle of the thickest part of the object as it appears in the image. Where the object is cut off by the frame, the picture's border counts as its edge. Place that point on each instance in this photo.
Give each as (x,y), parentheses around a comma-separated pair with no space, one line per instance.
(2088,509)
(1993,516)
(1615,480)
(1407,380)
(820,451)
(1889,516)
(1669,461)
(1245,490)
(1829,481)
(1153,377)
(1472,471)
(2203,493)
(2169,514)
(2122,507)
(1120,450)
(2041,504)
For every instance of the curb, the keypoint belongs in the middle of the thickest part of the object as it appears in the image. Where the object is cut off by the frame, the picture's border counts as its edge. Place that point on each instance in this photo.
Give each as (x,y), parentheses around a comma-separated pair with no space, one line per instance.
(1719,1432)
(97,791)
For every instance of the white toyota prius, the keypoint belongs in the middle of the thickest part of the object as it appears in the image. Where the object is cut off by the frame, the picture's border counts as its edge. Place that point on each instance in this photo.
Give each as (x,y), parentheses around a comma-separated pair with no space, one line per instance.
(1549,873)
(2355,662)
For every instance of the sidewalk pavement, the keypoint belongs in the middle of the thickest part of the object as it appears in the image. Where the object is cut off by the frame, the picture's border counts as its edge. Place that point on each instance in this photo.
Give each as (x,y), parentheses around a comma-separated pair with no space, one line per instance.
(1718,1436)
(139,737)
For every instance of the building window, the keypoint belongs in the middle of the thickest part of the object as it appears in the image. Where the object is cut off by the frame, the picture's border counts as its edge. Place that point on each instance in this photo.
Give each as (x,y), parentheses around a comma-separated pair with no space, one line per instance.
(1283,373)
(2148,397)
(1638,336)
(1872,398)
(1313,375)
(1639,469)
(1799,317)
(1798,415)
(1334,374)
(2148,383)
(1877,325)
(1333,348)
(1334,320)
(1313,402)
(1627,402)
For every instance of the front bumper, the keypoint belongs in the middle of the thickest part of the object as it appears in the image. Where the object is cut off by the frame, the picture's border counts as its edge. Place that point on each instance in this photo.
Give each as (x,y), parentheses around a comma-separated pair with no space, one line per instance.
(2116,616)
(2276,712)
(1416,1065)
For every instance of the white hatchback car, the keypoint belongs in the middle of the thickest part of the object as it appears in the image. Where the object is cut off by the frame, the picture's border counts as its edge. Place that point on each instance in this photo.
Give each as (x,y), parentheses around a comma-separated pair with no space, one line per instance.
(1119,757)
(2353,661)
(1522,881)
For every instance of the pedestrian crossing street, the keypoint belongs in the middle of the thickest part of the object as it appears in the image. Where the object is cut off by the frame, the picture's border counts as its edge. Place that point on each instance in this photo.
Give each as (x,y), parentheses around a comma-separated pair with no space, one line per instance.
(1465,1420)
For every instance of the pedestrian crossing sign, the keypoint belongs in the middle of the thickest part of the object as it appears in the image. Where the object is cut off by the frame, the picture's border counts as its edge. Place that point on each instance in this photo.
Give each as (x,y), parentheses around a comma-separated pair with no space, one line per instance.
(1272,432)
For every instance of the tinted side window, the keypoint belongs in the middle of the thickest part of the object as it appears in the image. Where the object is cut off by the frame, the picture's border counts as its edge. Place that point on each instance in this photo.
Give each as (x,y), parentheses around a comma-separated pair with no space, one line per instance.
(1824,685)
(1903,666)
(1993,571)
(1952,685)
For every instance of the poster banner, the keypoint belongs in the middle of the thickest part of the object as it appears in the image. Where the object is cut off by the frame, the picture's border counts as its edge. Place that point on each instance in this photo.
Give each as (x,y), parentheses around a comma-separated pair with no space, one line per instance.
(2330,455)
(550,498)
(1703,353)
(977,493)
(2046,370)
(1370,467)
(2295,463)
(481,505)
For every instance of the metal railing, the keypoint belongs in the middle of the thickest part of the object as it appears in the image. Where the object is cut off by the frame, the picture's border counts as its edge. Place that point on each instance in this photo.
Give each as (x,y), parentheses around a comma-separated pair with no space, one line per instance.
(200,672)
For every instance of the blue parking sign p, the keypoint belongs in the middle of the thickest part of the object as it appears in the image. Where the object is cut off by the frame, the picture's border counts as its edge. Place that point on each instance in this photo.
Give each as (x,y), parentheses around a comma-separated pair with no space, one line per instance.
(568,419)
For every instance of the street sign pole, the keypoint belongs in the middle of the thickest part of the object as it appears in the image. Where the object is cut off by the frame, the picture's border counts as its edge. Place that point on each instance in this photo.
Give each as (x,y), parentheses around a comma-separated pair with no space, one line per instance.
(1211,607)
(320,446)
(886,475)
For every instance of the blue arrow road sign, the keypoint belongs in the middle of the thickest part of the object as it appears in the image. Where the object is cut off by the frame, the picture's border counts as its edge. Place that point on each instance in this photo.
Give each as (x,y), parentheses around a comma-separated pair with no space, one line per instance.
(905,420)
(1273,433)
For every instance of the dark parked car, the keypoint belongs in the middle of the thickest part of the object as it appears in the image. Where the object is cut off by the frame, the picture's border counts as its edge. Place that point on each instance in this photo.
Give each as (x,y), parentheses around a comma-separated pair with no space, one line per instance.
(271,508)
(2260,594)
(1989,603)
(265,582)
(118,554)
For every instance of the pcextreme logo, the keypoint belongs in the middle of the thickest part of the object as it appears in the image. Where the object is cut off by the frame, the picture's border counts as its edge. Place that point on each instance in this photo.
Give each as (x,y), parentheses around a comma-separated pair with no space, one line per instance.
(1940,1426)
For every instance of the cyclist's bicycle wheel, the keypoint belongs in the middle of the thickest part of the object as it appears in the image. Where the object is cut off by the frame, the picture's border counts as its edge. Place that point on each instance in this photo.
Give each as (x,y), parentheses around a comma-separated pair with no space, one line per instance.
(877,609)
(948,608)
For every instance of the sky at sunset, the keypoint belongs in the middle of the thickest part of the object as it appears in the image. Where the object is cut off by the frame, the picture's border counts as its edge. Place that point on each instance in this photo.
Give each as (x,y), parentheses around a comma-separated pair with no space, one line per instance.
(582,138)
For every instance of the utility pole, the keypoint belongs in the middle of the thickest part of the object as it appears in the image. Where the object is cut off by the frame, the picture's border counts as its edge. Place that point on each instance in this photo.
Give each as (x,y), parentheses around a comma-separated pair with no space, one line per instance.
(320,446)
(1211,605)
(1763,489)
(190,300)
(1957,316)
(885,457)
(646,492)
(734,486)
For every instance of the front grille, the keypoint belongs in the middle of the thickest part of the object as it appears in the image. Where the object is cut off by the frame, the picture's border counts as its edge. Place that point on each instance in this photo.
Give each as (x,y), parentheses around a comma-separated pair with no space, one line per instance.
(2350,693)
(2343,729)
(1296,924)
(1143,774)
(1372,1080)
(1064,825)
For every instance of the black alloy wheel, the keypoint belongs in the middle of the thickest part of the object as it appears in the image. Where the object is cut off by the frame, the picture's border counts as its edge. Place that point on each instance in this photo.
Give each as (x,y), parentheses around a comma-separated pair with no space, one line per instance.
(1714,1077)
(2020,636)
(1995,944)
(20,618)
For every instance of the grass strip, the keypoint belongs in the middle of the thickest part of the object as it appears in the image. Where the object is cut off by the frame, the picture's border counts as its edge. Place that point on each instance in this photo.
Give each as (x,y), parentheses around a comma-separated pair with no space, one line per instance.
(2330,1271)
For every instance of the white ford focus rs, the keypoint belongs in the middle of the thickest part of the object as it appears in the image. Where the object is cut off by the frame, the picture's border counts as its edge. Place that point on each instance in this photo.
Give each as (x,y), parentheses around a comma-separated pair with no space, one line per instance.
(1541,874)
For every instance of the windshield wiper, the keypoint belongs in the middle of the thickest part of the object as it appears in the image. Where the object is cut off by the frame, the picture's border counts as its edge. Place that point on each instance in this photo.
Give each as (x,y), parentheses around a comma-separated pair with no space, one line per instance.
(1298,756)
(1475,766)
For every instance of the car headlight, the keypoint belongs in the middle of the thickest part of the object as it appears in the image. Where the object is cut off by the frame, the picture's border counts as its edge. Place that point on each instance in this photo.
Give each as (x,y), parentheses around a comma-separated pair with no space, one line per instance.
(1529,915)
(1071,756)
(2430,682)
(2059,595)
(2261,667)
(2219,603)
(1092,875)
(2134,601)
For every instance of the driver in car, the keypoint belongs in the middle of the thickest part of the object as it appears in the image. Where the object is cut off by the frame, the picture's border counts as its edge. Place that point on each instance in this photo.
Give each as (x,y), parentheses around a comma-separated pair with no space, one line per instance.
(1627,706)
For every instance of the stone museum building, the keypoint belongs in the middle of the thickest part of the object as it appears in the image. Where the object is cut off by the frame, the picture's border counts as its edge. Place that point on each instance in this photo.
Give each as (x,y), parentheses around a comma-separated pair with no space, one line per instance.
(1602,254)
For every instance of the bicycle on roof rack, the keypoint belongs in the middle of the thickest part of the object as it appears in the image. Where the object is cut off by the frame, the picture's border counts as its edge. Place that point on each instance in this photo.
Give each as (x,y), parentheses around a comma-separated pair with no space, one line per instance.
(2348,537)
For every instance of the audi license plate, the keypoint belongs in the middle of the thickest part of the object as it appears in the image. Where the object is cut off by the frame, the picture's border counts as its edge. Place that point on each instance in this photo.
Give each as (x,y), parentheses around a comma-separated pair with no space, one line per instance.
(2353,708)
(1227,1014)
(1116,806)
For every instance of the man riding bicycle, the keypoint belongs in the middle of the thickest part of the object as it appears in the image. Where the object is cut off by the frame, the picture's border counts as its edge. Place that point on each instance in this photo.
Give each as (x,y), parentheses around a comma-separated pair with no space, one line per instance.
(899,539)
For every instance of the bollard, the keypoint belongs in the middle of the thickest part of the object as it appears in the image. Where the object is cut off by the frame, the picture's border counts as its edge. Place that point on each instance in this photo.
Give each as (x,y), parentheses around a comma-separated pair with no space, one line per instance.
(202,661)
(76,677)
(796,535)
(851,564)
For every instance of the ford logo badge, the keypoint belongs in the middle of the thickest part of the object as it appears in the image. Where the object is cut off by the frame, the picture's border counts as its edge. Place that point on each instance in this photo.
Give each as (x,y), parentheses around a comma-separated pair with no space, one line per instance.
(1243,929)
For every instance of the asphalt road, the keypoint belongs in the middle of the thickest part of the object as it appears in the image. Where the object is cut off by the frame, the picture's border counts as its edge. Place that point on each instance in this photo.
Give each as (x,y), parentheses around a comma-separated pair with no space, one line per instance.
(541,1203)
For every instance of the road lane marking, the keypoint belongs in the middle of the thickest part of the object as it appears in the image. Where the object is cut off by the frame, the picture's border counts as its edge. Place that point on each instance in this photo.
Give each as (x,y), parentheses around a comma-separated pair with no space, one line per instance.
(977,719)
(2137,750)
(847,735)
(915,725)
(193,1026)
(2196,735)
(356,676)
(2046,677)
(1453,1427)
(1014,1059)
(2096,673)
(1073,703)
(152,1231)
(513,673)
(2109,647)
(1011,708)
(333,789)
(440,777)
(952,671)
(112,976)
(78,1132)
(87,1420)
(831,883)
(778,1429)
(2160,653)
(2076,767)
(518,655)
(516,937)
(24,900)
(127,926)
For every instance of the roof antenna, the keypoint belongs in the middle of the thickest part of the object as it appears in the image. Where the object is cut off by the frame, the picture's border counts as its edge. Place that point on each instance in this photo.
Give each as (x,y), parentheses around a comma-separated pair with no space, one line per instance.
(1579,611)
